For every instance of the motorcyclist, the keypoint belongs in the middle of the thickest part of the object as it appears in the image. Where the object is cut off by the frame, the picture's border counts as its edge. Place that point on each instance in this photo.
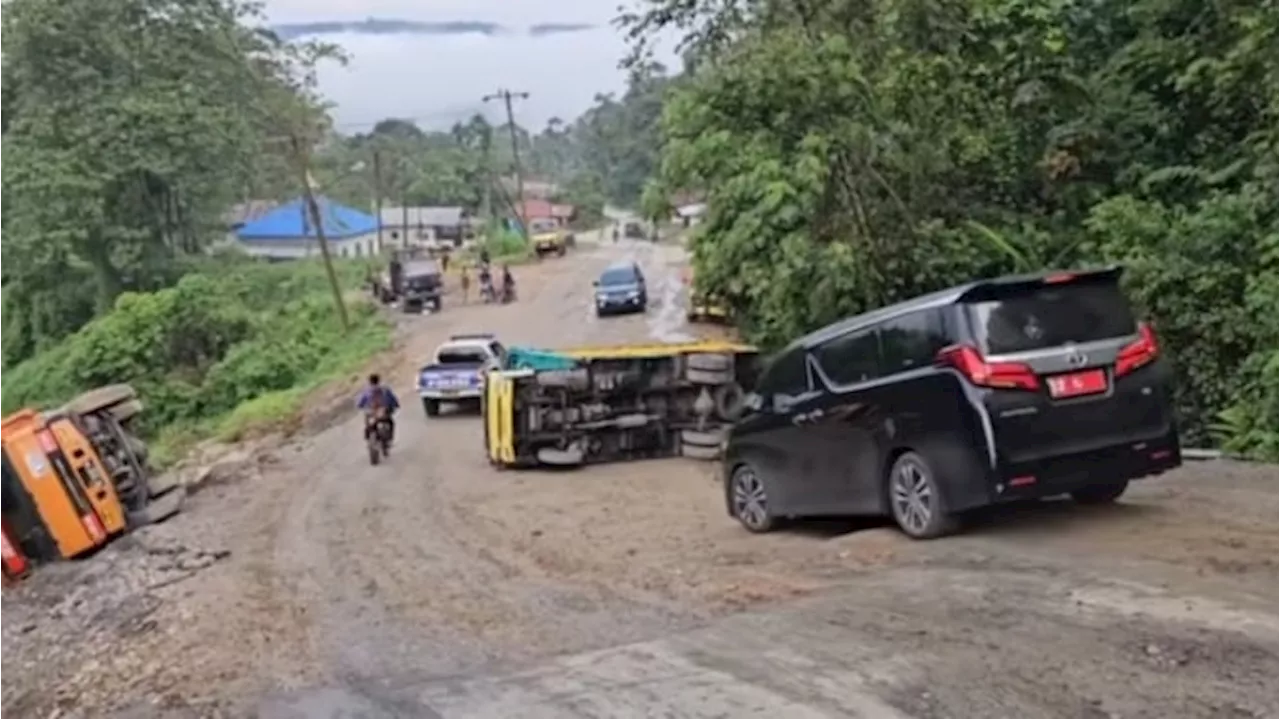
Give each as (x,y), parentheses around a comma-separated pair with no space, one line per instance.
(377,396)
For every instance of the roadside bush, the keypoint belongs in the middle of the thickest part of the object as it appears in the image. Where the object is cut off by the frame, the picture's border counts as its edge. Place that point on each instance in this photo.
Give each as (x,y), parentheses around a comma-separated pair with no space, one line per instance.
(232,332)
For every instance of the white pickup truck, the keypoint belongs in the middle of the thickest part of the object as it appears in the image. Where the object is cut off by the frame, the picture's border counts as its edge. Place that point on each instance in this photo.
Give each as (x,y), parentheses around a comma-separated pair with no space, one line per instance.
(456,373)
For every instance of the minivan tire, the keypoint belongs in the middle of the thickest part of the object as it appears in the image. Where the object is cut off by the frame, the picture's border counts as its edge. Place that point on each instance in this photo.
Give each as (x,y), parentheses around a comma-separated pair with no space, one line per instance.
(749,500)
(1100,493)
(431,407)
(915,499)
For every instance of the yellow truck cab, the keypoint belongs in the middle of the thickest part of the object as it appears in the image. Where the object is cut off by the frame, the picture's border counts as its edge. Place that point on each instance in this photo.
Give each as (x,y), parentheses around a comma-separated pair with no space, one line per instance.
(548,238)
(588,405)
(703,307)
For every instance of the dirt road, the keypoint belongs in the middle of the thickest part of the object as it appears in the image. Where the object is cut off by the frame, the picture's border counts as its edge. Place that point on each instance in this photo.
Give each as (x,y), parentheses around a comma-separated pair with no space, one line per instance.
(437,586)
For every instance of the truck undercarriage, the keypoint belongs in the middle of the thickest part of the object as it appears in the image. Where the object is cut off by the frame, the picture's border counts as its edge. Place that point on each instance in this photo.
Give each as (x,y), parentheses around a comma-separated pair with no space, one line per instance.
(618,404)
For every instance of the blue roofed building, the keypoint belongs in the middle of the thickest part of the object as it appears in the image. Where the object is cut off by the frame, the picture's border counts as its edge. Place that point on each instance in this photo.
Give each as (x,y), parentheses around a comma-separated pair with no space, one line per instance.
(288,233)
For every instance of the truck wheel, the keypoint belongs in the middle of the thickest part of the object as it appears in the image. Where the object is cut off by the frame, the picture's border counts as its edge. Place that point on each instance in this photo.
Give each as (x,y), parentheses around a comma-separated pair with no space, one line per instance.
(695,451)
(571,457)
(126,410)
(431,407)
(709,362)
(708,377)
(159,510)
(699,438)
(101,398)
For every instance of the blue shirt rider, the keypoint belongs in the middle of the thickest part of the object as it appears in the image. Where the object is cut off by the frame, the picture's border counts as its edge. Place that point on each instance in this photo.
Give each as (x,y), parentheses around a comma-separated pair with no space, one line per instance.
(375,395)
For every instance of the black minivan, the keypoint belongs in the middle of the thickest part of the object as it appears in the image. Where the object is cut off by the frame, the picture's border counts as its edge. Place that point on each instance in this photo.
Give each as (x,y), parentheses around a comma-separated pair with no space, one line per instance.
(1012,388)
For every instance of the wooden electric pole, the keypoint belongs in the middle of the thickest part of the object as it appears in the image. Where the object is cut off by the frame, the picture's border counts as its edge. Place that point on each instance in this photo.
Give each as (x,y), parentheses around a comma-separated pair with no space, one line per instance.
(377,193)
(302,156)
(506,97)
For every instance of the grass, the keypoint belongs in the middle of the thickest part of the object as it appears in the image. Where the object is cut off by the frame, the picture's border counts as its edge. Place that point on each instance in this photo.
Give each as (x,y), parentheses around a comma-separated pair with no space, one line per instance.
(279,410)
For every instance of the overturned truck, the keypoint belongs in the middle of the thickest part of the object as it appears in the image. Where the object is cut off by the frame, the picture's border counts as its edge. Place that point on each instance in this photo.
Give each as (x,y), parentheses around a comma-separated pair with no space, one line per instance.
(606,404)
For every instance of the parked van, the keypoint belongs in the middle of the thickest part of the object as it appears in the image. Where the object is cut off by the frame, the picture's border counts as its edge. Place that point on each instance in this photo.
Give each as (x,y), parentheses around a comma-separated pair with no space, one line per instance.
(1004,389)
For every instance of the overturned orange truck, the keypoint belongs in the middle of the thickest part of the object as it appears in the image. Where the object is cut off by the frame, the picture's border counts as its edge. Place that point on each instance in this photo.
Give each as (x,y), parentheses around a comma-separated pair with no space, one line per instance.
(76,477)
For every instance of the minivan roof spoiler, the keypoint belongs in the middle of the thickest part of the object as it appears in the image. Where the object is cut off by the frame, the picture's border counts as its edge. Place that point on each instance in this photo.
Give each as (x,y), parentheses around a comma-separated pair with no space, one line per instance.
(984,289)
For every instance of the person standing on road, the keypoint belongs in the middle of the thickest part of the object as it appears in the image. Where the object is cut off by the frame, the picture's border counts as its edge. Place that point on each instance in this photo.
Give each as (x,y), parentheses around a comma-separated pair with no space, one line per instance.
(466,283)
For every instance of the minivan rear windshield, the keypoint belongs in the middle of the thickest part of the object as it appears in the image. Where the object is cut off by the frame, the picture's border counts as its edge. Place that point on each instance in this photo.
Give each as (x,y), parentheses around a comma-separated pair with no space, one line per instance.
(1033,317)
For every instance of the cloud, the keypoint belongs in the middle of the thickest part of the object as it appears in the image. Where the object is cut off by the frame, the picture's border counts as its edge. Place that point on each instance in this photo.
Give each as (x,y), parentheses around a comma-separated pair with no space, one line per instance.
(557,28)
(398,26)
(391,26)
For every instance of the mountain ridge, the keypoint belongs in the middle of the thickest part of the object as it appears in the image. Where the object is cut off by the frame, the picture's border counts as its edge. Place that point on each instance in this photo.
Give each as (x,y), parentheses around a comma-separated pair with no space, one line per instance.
(397,26)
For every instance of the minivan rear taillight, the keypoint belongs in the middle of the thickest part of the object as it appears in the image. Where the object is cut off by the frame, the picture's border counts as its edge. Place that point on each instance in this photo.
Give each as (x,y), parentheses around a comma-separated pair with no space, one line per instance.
(1002,375)
(1138,353)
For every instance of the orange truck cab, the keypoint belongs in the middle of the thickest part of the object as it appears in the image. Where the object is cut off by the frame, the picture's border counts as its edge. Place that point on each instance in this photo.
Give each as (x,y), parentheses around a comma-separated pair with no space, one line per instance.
(59,501)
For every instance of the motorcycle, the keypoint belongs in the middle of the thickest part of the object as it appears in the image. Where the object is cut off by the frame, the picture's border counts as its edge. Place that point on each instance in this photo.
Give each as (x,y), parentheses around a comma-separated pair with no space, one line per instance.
(487,293)
(377,435)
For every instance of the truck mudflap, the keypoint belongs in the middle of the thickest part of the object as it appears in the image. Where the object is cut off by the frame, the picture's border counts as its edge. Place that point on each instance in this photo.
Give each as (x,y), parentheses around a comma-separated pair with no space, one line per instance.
(588,405)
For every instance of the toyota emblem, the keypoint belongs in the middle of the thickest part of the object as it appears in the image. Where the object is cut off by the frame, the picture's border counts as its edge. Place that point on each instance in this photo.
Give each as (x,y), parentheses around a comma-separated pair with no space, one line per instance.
(1076,359)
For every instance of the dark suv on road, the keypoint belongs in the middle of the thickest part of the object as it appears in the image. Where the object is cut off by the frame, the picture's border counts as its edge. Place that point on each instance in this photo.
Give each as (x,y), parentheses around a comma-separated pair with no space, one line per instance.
(621,289)
(1013,388)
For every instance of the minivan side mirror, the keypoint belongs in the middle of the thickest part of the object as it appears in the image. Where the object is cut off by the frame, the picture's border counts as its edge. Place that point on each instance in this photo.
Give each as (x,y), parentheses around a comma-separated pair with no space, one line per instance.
(753,403)
(595,283)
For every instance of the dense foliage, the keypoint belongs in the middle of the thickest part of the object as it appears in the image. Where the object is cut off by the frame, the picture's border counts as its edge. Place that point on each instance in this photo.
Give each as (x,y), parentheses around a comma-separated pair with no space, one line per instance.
(858,153)
(231,331)
(130,127)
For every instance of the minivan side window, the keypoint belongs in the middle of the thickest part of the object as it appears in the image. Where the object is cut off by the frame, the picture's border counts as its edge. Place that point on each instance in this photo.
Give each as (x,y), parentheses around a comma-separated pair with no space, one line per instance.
(911,341)
(786,379)
(851,358)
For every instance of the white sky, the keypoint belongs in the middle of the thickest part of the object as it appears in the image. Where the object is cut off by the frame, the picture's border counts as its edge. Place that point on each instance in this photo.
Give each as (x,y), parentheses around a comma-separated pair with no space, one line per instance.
(437,79)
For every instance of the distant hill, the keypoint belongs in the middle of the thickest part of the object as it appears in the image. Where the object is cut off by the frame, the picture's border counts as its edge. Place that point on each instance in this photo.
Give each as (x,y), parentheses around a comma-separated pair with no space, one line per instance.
(392,26)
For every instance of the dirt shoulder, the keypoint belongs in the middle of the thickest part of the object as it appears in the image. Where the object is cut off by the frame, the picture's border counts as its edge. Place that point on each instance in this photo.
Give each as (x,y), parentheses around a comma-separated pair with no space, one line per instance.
(308,582)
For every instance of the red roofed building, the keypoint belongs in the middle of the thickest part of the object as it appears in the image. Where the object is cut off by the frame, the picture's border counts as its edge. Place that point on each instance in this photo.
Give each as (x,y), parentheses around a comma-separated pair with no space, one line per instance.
(543,210)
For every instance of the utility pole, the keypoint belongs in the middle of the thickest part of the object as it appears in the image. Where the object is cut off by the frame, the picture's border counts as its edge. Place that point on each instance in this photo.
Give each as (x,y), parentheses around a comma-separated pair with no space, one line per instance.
(486,170)
(506,97)
(404,221)
(377,193)
(302,156)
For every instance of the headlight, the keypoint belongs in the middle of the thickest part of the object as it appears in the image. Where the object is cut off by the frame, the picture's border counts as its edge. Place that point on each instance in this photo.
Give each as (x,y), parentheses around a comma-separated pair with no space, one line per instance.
(633,294)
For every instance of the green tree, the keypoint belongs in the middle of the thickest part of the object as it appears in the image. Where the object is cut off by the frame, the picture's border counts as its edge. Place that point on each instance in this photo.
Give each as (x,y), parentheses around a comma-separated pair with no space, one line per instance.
(855,154)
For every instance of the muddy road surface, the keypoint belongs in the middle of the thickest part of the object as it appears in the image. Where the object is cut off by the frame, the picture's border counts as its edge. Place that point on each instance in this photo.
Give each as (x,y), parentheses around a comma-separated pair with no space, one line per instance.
(307,583)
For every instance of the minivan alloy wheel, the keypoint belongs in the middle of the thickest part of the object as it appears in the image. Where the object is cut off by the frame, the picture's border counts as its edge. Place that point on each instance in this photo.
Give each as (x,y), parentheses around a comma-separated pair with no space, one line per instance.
(750,502)
(913,498)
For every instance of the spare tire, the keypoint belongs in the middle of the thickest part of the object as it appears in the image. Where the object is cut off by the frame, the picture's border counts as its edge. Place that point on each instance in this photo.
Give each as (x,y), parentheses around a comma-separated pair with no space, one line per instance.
(730,400)
(101,398)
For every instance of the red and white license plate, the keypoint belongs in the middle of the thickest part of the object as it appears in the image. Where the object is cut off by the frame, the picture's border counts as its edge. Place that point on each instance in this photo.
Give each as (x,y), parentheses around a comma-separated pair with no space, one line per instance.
(1077,384)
